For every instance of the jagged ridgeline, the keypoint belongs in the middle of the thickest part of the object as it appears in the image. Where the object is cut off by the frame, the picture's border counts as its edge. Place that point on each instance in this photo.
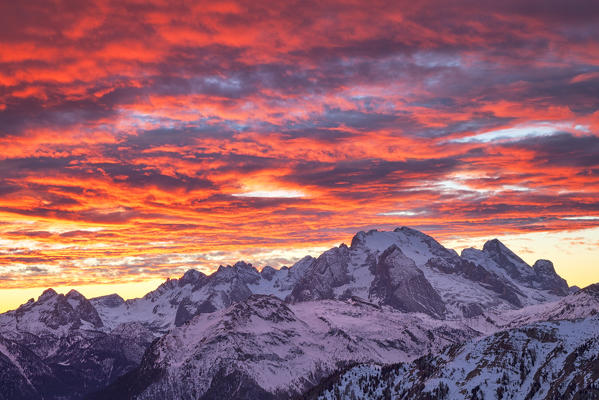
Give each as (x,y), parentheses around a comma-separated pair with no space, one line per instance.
(394,314)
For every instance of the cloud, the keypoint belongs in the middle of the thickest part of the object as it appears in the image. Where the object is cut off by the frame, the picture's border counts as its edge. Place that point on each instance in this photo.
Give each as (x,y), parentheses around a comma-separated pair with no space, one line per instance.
(139,140)
(369,172)
(563,149)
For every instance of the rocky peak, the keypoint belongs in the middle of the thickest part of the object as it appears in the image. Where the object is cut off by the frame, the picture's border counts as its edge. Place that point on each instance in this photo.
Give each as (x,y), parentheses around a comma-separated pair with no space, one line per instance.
(110,300)
(191,277)
(358,240)
(410,232)
(244,266)
(497,258)
(415,244)
(241,270)
(495,246)
(83,308)
(508,260)
(167,286)
(75,295)
(371,239)
(502,254)
(328,271)
(47,295)
(548,279)
(435,247)
(592,290)
(544,267)
(268,272)
(237,265)
(57,312)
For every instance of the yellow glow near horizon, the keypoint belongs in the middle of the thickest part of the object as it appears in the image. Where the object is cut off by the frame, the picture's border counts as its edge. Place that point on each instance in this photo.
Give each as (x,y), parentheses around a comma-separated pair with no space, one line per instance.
(575,255)
(11,299)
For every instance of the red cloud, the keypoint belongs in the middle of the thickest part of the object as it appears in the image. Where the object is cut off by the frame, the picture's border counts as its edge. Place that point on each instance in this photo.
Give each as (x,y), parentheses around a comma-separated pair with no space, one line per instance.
(134,135)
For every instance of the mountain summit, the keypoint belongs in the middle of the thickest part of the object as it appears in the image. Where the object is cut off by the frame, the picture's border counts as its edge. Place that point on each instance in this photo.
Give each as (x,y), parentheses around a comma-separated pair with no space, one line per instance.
(391,296)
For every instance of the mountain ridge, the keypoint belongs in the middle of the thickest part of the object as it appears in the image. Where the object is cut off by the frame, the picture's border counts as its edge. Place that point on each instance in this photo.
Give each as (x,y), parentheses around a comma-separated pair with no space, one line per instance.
(500,278)
(404,283)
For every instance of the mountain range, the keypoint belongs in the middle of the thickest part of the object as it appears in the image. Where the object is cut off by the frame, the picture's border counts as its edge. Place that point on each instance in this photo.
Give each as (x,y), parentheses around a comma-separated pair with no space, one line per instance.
(393,314)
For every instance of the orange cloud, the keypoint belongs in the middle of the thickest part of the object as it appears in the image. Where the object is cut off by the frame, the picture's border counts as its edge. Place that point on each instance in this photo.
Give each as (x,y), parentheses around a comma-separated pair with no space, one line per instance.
(139,140)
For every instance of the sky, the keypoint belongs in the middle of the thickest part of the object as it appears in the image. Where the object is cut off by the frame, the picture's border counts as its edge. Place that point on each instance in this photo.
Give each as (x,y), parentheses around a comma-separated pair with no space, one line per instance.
(139,139)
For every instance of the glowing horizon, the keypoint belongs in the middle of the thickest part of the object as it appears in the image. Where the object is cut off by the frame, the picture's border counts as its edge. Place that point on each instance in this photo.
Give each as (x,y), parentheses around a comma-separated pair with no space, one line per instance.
(140,139)
(554,246)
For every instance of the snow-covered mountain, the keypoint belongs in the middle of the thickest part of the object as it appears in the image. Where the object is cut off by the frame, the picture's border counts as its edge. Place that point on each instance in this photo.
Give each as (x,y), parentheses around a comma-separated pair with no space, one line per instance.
(264,348)
(52,313)
(545,351)
(405,269)
(272,349)
(389,297)
(406,264)
(580,304)
(545,360)
(58,348)
(178,300)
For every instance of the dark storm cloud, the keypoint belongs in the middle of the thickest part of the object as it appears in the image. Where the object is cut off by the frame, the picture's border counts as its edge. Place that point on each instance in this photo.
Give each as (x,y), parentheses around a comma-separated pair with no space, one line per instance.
(562,149)
(369,172)
(145,176)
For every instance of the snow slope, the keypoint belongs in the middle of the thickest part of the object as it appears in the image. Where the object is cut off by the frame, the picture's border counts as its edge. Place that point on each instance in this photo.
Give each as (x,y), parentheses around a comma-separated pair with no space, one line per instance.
(546,360)
(274,349)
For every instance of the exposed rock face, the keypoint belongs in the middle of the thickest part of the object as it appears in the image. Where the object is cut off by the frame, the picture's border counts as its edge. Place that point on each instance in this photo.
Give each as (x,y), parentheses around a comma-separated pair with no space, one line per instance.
(515,267)
(188,309)
(548,279)
(83,308)
(400,284)
(591,290)
(268,272)
(109,301)
(542,275)
(192,277)
(327,272)
(468,285)
(529,283)
(178,300)
(184,313)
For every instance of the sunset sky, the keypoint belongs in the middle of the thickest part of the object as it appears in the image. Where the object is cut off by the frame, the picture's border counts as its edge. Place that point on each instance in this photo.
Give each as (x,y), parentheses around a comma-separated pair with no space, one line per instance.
(142,138)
